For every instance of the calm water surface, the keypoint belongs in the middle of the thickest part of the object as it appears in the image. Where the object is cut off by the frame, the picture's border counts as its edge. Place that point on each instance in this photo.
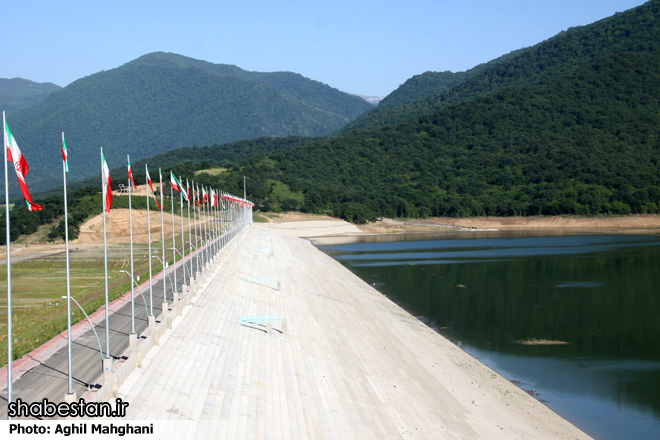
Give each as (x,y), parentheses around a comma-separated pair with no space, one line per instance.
(598,293)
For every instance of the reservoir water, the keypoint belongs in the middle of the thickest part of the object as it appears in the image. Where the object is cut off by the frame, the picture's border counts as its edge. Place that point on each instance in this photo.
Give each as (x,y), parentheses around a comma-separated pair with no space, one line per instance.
(595,297)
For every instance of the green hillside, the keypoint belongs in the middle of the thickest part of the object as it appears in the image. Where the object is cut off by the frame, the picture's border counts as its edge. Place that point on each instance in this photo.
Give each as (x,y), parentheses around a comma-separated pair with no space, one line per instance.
(585,143)
(634,30)
(164,101)
(579,140)
(18,93)
(422,86)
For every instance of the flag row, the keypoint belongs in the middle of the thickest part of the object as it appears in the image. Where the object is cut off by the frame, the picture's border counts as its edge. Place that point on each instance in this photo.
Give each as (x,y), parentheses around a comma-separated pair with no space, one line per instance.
(14,155)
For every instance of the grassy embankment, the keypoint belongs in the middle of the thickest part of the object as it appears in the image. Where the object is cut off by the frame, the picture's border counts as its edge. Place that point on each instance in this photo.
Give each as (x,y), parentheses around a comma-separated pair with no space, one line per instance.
(39,312)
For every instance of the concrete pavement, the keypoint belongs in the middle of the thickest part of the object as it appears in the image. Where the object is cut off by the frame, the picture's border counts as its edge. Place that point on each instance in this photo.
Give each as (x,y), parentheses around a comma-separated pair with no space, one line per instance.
(348,363)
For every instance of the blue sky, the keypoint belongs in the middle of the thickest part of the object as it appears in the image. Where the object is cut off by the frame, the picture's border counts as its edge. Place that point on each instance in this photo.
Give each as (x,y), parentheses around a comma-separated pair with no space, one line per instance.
(366,47)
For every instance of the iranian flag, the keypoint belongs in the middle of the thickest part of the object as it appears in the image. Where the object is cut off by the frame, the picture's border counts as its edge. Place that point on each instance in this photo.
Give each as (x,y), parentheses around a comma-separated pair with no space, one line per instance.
(204,195)
(153,193)
(214,198)
(174,182)
(160,177)
(105,178)
(130,172)
(65,155)
(176,185)
(184,193)
(20,165)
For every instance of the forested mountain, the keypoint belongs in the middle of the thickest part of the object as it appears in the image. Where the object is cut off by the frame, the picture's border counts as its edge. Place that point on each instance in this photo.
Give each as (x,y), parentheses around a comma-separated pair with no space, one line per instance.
(411,98)
(19,93)
(583,143)
(164,101)
(633,30)
(578,140)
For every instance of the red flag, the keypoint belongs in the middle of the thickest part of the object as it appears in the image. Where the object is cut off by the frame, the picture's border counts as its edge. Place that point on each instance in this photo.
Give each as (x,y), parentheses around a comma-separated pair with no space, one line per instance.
(176,185)
(130,173)
(153,193)
(107,190)
(20,165)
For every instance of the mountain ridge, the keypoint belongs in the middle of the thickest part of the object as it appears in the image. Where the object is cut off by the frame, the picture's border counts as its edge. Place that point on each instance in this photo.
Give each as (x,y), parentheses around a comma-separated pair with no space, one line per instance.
(636,29)
(162,101)
(19,93)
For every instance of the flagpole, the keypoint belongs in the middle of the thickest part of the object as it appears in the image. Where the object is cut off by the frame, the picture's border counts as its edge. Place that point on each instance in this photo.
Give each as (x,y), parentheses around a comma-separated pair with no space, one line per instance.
(173,235)
(220,224)
(68,278)
(206,220)
(194,226)
(202,230)
(130,228)
(198,228)
(215,221)
(223,216)
(211,228)
(227,214)
(212,211)
(10,355)
(105,263)
(220,218)
(189,233)
(151,293)
(183,240)
(202,225)
(162,232)
(209,219)
(212,223)
(222,210)
(195,197)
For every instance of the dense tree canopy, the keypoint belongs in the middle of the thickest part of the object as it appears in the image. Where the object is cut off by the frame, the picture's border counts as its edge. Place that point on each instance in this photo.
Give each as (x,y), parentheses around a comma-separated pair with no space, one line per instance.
(161,102)
(585,143)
